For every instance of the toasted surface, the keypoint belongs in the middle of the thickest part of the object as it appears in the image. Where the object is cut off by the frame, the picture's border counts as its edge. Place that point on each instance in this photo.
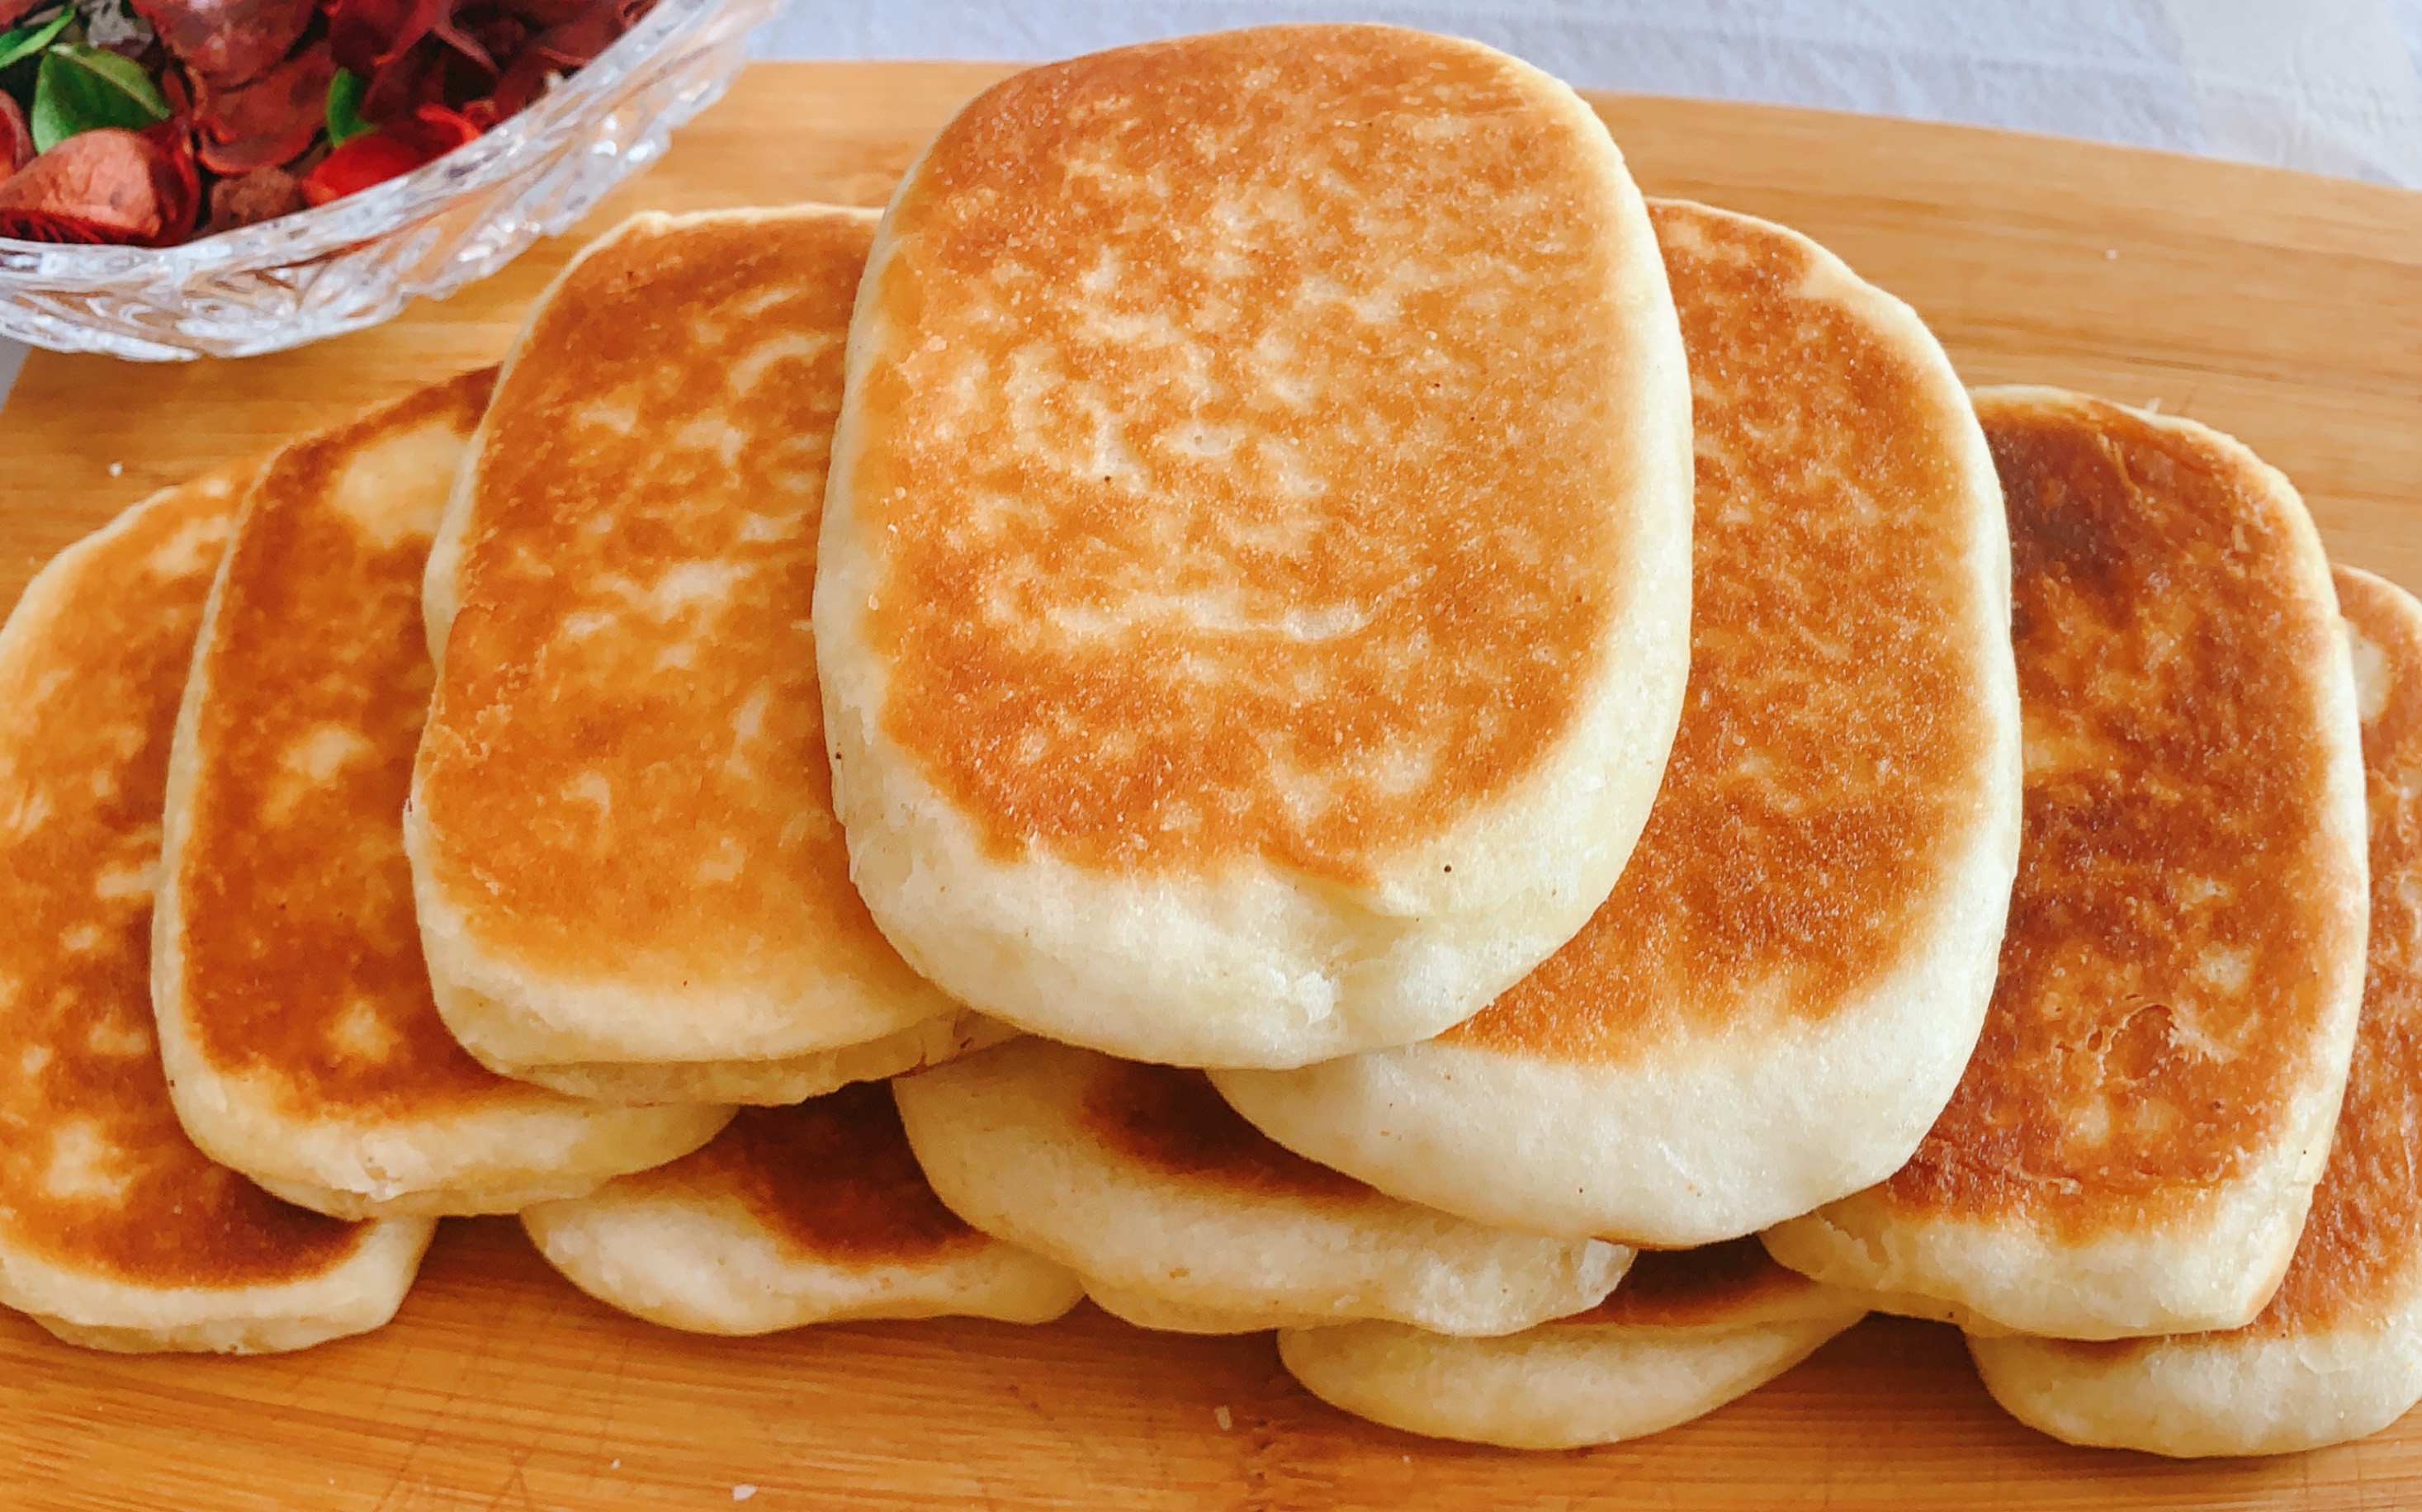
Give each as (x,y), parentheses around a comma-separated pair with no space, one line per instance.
(809,1214)
(1178,1215)
(301,1045)
(1778,999)
(115,1231)
(1730,1285)
(1687,1331)
(2134,1145)
(621,832)
(1254,597)
(2337,1352)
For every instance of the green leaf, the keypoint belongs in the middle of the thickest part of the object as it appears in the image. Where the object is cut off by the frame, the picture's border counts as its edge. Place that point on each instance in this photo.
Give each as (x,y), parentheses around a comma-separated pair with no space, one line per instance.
(83,88)
(16,46)
(345,92)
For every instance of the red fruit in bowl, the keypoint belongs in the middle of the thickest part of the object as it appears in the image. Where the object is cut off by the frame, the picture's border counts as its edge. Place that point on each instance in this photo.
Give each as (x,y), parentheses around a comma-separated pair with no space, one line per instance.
(263,195)
(273,119)
(392,151)
(227,42)
(136,188)
(176,179)
(586,30)
(367,34)
(16,137)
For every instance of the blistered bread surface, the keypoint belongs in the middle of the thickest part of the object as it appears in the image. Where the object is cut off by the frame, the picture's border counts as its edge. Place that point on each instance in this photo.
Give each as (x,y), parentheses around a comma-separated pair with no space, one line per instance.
(1249,449)
(2166,1008)
(1839,736)
(625,769)
(300,952)
(96,1174)
(831,1179)
(1168,1121)
(2358,1266)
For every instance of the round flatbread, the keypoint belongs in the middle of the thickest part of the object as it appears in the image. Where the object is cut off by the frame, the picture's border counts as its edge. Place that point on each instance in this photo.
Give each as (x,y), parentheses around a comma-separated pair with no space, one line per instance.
(301,1040)
(2134,1145)
(116,1232)
(1686,1332)
(2337,1352)
(1782,992)
(630,882)
(812,1214)
(1253,604)
(1179,1216)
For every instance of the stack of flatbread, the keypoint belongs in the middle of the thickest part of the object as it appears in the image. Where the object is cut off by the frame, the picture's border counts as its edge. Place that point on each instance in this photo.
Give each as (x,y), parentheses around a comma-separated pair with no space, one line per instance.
(1275,701)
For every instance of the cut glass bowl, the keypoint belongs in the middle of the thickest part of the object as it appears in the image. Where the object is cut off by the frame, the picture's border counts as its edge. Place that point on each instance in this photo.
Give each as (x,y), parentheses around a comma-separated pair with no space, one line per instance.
(356,261)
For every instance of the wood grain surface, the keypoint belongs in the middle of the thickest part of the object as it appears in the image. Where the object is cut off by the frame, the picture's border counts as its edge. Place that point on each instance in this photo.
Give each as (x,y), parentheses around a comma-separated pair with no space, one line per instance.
(2284,308)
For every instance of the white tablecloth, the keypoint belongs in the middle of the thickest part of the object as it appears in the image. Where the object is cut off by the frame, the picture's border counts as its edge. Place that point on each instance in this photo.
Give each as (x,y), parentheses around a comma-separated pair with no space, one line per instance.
(2329,85)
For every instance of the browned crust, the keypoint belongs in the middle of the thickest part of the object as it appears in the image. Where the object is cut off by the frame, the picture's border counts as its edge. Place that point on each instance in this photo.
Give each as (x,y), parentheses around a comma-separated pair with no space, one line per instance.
(2170,650)
(1710,1285)
(1172,1122)
(92,704)
(671,805)
(2357,1258)
(1181,557)
(2355,1263)
(1830,750)
(300,952)
(832,1179)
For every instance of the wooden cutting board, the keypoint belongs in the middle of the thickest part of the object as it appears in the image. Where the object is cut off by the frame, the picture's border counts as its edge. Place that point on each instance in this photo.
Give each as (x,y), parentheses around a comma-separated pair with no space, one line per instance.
(2285,309)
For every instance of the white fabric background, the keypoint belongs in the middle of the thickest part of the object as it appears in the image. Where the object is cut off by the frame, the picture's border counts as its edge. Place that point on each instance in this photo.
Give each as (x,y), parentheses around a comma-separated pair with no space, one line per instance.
(2329,85)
